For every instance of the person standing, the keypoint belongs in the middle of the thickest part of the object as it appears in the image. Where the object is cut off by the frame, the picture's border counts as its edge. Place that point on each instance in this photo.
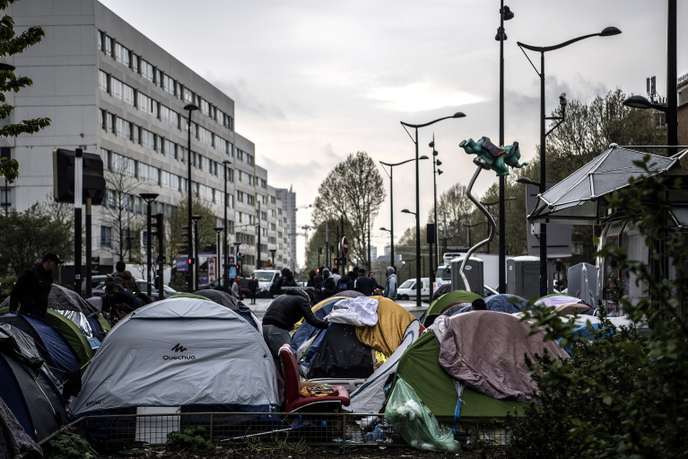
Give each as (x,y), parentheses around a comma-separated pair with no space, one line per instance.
(281,316)
(236,288)
(126,279)
(391,284)
(253,288)
(30,294)
(365,284)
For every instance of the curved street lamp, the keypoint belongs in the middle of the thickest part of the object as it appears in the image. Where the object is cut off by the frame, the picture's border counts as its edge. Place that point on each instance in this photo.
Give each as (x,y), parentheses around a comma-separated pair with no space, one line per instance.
(606,32)
(414,139)
(390,174)
(190,108)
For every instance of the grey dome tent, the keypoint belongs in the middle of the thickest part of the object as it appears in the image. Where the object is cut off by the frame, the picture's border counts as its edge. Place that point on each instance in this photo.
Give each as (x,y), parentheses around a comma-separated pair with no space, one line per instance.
(230,301)
(180,352)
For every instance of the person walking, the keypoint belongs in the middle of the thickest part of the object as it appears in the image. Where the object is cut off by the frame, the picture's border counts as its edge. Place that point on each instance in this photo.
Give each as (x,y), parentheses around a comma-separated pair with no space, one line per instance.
(391,284)
(236,288)
(281,316)
(364,284)
(30,294)
(253,288)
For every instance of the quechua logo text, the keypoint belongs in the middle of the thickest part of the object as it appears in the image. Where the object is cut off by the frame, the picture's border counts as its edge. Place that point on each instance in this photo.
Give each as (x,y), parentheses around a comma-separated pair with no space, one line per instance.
(180,353)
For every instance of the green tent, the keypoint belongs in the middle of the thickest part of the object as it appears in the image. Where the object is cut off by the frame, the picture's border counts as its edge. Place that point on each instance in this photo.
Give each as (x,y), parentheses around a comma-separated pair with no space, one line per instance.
(420,368)
(72,334)
(447,300)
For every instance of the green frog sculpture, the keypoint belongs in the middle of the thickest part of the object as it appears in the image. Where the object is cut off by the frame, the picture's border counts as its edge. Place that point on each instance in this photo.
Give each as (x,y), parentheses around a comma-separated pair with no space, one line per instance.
(490,156)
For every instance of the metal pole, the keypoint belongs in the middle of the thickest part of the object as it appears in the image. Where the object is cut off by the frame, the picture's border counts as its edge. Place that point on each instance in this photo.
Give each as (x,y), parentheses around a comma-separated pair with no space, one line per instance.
(258,261)
(370,259)
(502,179)
(391,217)
(225,248)
(218,255)
(543,178)
(434,219)
(671,114)
(149,246)
(78,197)
(197,243)
(89,266)
(191,265)
(418,260)
(160,230)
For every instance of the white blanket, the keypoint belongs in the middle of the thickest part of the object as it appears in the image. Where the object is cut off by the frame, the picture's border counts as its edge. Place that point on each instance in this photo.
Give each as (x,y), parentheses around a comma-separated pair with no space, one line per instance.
(360,312)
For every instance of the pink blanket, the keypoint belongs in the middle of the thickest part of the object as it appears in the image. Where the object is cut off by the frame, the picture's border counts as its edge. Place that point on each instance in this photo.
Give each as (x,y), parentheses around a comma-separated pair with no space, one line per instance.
(486,351)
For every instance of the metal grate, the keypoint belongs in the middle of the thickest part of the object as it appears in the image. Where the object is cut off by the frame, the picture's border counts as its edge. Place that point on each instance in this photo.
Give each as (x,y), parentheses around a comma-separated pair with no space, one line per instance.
(165,426)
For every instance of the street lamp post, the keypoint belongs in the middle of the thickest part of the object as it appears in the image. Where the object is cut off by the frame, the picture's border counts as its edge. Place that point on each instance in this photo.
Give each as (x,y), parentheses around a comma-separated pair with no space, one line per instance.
(258,254)
(390,174)
(670,108)
(606,32)
(505,14)
(190,261)
(149,198)
(196,243)
(218,231)
(391,254)
(225,246)
(435,172)
(414,139)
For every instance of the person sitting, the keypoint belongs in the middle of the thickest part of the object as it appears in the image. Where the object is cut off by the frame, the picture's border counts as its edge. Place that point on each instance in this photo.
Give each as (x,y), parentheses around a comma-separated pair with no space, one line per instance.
(284,312)
(127,279)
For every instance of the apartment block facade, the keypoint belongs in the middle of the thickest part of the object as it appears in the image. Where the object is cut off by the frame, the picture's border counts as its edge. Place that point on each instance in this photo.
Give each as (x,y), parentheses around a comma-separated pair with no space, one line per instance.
(110,90)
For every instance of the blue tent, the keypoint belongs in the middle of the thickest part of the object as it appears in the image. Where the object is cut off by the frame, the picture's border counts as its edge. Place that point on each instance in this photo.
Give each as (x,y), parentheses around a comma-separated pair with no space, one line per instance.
(506,303)
(52,347)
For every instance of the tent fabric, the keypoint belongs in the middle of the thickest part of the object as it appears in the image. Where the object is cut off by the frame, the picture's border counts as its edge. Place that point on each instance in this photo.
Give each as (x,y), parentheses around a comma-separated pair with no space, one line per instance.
(420,368)
(487,351)
(350,294)
(14,441)
(438,306)
(305,331)
(230,301)
(506,303)
(341,355)
(576,197)
(180,352)
(369,397)
(387,334)
(40,399)
(553,301)
(53,346)
(77,341)
(359,311)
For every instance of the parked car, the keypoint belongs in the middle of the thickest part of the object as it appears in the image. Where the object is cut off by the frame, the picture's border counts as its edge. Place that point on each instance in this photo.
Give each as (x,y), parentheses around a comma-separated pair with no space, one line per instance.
(265,278)
(141,285)
(407,289)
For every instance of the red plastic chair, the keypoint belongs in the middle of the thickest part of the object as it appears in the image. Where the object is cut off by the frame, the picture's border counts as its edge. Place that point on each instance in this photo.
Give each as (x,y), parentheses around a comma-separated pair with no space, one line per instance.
(294,401)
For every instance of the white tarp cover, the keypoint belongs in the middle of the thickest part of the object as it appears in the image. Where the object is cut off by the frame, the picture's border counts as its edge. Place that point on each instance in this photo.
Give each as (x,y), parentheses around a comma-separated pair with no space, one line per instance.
(575,197)
(369,397)
(178,352)
(359,312)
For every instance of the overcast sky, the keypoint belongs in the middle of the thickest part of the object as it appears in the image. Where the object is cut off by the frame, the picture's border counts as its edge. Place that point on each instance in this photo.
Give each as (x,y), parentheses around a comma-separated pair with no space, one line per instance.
(315,80)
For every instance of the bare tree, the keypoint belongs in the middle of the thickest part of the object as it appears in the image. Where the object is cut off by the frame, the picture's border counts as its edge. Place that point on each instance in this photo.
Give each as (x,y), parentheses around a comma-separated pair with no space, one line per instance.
(354,191)
(453,211)
(121,187)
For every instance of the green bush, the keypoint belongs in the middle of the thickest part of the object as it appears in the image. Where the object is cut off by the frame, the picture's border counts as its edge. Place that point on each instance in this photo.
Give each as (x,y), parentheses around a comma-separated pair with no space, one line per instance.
(623,393)
(190,439)
(69,445)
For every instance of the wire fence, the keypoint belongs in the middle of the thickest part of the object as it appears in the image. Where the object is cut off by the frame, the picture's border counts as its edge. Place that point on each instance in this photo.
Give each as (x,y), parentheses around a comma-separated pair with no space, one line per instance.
(161,426)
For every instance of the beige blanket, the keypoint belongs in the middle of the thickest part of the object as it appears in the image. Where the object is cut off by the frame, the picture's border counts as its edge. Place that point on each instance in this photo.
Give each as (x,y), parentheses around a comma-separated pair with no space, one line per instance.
(487,351)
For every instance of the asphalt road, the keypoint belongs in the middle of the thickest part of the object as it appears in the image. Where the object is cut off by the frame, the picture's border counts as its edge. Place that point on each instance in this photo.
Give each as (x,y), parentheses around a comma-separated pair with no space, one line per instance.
(262,305)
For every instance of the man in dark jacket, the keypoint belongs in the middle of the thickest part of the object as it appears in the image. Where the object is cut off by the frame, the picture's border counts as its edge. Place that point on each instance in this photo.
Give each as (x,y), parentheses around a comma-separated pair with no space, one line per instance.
(253,287)
(365,284)
(281,316)
(30,293)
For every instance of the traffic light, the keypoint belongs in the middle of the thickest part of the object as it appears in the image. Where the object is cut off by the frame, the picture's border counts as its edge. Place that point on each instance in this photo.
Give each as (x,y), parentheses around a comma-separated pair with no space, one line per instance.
(63,177)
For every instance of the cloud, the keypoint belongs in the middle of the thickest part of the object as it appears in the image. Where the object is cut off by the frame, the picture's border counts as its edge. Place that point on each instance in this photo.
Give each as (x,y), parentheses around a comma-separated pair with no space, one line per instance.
(421,96)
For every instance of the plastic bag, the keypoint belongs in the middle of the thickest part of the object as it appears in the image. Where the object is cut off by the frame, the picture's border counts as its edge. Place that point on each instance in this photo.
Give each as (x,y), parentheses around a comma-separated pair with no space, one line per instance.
(414,421)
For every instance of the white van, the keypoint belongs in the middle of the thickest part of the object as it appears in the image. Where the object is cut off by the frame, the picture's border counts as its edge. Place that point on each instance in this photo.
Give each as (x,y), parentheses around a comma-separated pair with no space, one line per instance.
(407,289)
(265,278)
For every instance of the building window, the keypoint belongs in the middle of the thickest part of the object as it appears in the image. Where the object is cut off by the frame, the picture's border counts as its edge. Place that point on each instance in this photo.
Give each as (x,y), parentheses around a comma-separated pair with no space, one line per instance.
(105,236)
(103,81)
(121,54)
(147,70)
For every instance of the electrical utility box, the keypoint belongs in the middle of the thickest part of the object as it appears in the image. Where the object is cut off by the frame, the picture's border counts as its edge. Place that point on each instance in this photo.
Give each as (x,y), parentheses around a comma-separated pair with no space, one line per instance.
(523,277)
(474,274)
(582,282)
